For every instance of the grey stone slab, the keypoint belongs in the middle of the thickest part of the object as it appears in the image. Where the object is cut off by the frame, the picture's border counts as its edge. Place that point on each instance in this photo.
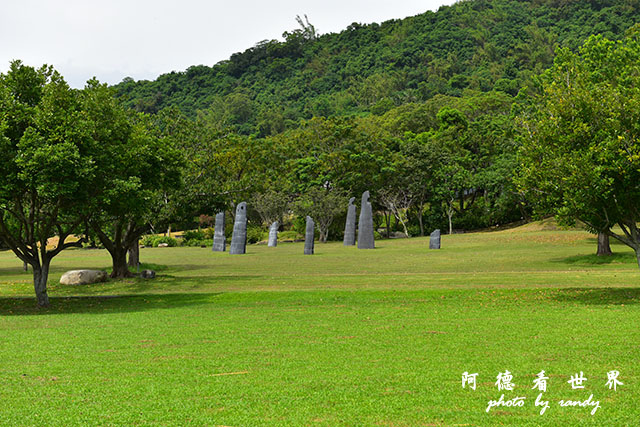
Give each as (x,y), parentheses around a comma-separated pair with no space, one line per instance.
(350,225)
(219,241)
(148,274)
(273,235)
(365,224)
(308,237)
(239,237)
(434,239)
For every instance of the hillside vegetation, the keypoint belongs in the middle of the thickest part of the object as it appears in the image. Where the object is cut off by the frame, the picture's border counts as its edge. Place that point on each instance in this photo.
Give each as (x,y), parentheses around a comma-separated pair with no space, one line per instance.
(420,111)
(474,45)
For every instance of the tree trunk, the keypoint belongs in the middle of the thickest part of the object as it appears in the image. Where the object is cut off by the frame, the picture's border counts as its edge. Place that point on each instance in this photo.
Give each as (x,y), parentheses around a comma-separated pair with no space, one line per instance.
(420,209)
(25,266)
(134,255)
(387,218)
(40,276)
(168,233)
(638,255)
(323,234)
(450,215)
(119,261)
(604,249)
(404,225)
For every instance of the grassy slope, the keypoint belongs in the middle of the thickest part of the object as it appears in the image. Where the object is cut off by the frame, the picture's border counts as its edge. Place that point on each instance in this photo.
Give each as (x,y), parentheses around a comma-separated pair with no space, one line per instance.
(343,337)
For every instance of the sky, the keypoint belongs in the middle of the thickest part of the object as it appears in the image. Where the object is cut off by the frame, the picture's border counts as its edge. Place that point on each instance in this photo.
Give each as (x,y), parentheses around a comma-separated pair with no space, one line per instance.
(114,39)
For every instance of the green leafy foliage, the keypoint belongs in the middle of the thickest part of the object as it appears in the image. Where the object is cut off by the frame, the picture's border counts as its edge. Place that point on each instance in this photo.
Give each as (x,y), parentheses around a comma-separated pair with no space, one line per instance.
(255,234)
(47,169)
(478,45)
(153,241)
(580,157)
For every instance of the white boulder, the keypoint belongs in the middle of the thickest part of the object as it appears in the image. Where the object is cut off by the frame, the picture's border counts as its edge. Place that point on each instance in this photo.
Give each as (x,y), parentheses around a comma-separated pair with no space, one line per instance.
(83,277)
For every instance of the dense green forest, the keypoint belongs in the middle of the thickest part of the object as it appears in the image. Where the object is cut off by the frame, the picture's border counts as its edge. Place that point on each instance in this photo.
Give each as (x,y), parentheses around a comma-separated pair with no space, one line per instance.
(476,45)
(420,111)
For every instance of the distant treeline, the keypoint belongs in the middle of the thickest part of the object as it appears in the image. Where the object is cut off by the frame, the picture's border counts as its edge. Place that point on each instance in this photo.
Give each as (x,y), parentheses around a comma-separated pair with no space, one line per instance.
(419,111)
(476,45)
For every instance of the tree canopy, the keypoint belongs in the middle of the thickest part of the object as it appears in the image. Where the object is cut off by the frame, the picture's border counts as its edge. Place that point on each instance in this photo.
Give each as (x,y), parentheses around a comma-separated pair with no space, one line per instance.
(479,45)
(46,170)
(580,154)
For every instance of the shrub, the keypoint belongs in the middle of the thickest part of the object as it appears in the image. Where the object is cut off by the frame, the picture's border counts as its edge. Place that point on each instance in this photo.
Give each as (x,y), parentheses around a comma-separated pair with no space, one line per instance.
(193,235)
(300,225)
(197,243)
(255,234)
(289,235)
(165,239)
(208,233)
(154,241)
(414,230)
(147,240)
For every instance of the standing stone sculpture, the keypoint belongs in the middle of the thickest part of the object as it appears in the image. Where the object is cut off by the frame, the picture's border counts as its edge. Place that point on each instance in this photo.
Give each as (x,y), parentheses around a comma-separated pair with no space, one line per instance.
(308,237)
(350,225)
(273,235)
(219,241)
(239,237)
(434,239)
(365,224)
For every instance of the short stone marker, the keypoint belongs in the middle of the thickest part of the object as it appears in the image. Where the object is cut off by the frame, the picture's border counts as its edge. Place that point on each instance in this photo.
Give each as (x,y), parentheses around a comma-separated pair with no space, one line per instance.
(350,225)
(219,241)
(239,237)
(273,235)
(148,274)
(308,237)
(434,239)
(365,224)
(83,277)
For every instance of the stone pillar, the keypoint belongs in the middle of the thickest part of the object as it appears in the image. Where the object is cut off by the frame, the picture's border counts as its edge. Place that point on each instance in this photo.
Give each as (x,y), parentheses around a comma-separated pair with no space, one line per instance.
(219,241)
(365,224)
(239,237)
(434,240)
(350,225)
(308,237)
(273,235)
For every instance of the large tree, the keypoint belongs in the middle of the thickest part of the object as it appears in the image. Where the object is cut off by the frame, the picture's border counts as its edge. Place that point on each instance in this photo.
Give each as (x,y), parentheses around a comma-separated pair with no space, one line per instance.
(323,204)
(137,167)
(580,153)
(46,168)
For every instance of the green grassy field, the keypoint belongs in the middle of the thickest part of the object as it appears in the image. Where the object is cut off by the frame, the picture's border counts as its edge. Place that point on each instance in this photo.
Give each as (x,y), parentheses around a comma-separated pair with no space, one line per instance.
(344,337)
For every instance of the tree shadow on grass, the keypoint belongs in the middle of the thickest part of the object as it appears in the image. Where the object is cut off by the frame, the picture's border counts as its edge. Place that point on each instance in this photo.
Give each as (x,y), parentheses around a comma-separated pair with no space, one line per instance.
(597,296)
(58,269)
(592,259)
(102,304)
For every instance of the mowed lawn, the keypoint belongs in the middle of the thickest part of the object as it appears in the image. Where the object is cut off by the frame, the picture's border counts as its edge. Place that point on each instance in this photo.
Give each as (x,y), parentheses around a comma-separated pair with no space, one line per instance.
(344,337)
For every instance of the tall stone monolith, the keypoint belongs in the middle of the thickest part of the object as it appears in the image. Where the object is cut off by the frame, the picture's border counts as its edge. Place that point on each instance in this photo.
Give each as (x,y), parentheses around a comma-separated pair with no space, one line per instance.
(350,225)
(239,237)
(308,237)
(365,224)
(273,235)
(434,239)
(219,241)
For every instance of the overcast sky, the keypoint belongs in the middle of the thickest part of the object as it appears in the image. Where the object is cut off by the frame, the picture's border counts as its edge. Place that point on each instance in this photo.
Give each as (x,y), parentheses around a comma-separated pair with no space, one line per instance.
(113,39)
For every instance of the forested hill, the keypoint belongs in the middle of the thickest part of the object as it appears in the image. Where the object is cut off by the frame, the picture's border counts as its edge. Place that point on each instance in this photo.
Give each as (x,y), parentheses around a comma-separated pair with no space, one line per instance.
(475,44)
